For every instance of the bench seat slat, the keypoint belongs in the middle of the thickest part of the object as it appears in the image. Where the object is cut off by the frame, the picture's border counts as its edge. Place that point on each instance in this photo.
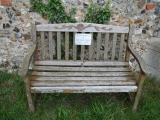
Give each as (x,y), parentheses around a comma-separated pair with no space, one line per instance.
(80,63)
(81,83)
(87,74)
(84,89)
(55,68)
(41,78)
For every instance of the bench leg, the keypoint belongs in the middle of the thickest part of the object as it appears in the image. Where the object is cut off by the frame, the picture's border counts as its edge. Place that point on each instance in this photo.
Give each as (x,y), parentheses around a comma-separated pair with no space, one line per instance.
(131,97)
(29,95)
(139,92)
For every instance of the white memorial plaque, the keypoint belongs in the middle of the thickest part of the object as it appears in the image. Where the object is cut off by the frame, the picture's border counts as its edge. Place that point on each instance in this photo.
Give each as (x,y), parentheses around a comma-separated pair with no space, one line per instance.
(83,39)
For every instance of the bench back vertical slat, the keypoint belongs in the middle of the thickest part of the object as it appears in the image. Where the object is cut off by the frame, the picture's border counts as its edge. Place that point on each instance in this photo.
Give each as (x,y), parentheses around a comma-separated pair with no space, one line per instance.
(114,46)
(42,46)
(66,45)
(51,46)
(74,48)
(120,58)
(82,52)
(59,45)
(91,49)
(34,33)
(106,46)
(57,42)
(99,37)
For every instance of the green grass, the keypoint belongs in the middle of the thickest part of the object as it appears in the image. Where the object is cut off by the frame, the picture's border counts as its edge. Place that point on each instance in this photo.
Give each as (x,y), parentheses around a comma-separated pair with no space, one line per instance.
(13,104)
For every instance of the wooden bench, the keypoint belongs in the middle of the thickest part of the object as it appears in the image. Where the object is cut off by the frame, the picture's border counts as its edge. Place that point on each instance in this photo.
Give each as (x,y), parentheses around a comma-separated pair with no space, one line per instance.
(58,65)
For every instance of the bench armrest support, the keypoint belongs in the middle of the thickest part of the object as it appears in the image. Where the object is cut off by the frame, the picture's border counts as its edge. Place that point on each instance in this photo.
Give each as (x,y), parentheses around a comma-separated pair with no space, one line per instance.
(26,62)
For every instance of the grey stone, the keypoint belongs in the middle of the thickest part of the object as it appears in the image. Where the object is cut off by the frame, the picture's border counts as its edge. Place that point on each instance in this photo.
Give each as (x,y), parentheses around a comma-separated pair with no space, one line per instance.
(152,57)
(157,11)
(1,17)
(124,12)
(19,35)
(27,36)
(16,29)
(101,2)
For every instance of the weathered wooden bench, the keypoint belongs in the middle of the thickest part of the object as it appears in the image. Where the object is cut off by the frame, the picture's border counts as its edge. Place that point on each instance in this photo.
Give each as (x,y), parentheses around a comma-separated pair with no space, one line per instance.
(59,65)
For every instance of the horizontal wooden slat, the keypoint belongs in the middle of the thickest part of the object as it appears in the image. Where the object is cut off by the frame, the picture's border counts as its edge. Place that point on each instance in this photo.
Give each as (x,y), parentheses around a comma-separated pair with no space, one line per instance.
(82,74)
(85,89)
(40,78)
(82,27)
(55,68)
(81,83)
(80,63)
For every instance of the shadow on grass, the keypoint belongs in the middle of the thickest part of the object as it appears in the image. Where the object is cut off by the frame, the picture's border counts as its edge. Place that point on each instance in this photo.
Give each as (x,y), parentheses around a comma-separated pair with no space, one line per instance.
(13,104)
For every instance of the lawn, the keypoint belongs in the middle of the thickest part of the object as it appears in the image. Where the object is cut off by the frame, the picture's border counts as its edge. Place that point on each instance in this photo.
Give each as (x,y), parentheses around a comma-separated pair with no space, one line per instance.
(13,104)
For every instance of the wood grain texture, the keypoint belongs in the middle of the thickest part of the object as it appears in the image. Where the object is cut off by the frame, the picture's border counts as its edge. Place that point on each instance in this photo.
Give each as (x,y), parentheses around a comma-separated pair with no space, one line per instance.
(82,52)
(58,45)
(91,50)
(63,79)
(120,58)
(85,89)
(81,74)
(82,27)
(34,33)
(127,54)
(81,83)
(43,51)
(114,46)
(106,46)
(74,48)
(139,59)
(139,91)
(29,95)
(66,45)
(99,38)
(82,63)
(23,70)
(51,45)
(73,69)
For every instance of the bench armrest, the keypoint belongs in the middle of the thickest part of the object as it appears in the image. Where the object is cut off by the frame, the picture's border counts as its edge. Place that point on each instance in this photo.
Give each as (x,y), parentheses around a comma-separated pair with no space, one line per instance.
(26,62)
(139,59)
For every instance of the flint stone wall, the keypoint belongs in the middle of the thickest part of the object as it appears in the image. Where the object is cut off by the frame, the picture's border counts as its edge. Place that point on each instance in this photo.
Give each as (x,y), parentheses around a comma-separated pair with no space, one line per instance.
(15,25)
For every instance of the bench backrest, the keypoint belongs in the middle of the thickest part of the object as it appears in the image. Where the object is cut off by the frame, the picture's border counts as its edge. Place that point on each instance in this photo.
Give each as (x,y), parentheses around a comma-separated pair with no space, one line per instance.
(57,42)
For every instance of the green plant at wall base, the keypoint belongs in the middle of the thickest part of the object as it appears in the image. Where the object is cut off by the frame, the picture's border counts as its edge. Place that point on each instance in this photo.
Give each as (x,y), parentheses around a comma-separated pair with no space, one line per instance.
(39,7)
(53,10)
(98,14)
